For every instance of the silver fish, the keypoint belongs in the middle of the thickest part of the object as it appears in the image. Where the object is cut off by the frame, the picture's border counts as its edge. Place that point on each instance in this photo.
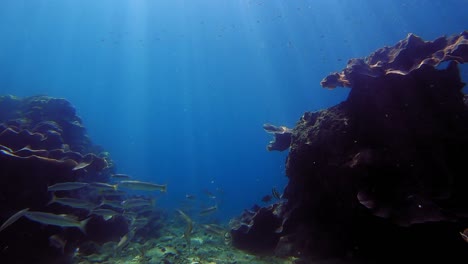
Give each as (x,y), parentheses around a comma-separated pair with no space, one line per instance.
(209,210)
(120,176)
(275,193)
(125,240)
(72,202)
(66,186)
(13,218)
(56,220)
(188,228)
(112,203)
(131,203)
(57,242)
(104,186)
(105,213)
(143,186)
(215,229)
(81,165)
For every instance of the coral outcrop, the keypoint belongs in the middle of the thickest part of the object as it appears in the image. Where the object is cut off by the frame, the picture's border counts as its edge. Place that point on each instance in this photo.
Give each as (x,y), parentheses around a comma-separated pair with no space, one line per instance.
(43,142)
(381,176)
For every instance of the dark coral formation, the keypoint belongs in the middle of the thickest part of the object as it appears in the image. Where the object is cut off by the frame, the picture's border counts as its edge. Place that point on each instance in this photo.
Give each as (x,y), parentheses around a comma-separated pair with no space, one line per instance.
(258,229)
(381,177)
(43,142)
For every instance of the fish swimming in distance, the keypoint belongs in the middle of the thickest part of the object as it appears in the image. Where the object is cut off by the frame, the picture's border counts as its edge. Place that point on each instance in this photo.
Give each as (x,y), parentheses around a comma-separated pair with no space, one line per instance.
(275,193)
(125,239)
(120,176)
(103,186)
(112,203)
(209,210)
(215,229)
(66,186)
(57,242)
(56,220)
(72,202)
(209,194)
(142,186)
(188,228)
(138,202)
(190,197)
(139,222)
(464,235)
(13,218)
(105,213)
(81,165)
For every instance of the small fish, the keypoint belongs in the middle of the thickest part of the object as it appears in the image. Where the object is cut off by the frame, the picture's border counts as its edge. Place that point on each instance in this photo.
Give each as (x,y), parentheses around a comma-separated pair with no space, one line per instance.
(13,218)
(66,186)
(130,215)
(137,202)
(72,202)
(105,213)
(104,186)
(188,228)
(139,222)
(56,220)
(215,229)
(464,235)
(266,198)
(276,194)
(209,210)
(142,186)
(57,242)
(125,240)
(190,197)
(119,176)
(113,203)
(81,165)
(209,194)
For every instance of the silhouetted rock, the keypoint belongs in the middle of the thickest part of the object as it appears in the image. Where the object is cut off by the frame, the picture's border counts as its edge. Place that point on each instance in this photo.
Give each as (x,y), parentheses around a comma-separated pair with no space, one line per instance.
(42,142)
(381,176)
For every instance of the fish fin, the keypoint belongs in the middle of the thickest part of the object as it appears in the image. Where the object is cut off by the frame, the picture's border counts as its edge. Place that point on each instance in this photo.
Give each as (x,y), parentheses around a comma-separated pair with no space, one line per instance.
(107,217)
(54,198)
(82,225)
(13,218)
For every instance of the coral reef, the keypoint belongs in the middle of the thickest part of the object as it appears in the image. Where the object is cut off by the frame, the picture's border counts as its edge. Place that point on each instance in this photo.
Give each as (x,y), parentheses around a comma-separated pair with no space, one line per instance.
(43,142)
(258,229)
(380,177)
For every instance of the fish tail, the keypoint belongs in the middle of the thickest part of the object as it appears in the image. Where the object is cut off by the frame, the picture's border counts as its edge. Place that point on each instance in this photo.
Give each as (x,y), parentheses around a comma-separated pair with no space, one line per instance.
(53,200)
(82,225)
(13,219)
(164,189)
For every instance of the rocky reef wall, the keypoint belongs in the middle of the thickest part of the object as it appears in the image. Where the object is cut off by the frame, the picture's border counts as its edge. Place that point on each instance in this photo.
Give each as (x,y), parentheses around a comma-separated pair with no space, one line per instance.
(43,142)
(380,177)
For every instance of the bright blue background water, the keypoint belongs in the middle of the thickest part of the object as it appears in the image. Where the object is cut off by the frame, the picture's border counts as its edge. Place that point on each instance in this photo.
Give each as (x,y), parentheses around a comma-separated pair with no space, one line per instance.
(178,91)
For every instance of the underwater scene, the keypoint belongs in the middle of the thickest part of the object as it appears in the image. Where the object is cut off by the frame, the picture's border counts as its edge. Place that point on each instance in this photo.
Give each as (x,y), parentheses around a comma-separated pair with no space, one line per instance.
(233,132)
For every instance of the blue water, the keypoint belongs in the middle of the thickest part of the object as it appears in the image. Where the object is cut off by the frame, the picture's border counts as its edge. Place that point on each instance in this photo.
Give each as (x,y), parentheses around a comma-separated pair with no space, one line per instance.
(177,91)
